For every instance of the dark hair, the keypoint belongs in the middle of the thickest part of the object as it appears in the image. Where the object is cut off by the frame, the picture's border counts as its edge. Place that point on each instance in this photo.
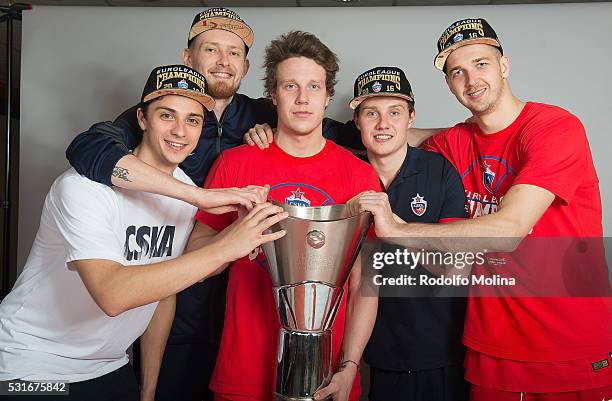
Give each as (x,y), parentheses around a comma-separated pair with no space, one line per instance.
(299,44)
(145,105)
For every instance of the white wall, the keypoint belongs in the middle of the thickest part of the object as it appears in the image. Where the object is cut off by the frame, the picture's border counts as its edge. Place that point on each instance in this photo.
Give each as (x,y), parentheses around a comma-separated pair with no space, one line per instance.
(81,65)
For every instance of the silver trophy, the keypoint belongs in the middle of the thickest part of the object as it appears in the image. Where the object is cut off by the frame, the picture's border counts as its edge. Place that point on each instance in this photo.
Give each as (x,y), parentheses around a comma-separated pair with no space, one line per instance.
(309,266)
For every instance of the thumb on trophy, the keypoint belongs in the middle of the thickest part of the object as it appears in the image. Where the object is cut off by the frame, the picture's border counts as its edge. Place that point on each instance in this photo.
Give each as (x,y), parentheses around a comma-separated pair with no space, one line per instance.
(339,388)
(325,392)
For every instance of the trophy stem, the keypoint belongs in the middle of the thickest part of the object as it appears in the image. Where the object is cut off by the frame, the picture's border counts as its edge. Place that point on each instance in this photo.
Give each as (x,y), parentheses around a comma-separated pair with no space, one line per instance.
(304,364)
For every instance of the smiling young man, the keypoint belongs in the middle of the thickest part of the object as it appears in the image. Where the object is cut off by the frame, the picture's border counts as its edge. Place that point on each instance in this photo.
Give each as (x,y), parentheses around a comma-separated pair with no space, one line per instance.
(415,351)
(105,263)
(304,169)
(528,172)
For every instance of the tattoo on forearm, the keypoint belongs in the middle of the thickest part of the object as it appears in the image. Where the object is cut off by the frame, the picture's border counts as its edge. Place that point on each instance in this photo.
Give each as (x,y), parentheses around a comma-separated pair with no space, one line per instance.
(121,173)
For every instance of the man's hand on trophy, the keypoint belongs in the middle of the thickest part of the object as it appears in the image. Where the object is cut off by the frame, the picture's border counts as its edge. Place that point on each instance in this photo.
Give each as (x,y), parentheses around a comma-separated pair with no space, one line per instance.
(261,193)
(377,203)
(341,383)
(261,135)
(353,205)
(224,200)
(247,233)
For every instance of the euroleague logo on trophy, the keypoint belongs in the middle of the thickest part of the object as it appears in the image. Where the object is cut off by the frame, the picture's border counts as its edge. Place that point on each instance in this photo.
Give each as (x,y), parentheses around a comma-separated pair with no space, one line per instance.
(315,239)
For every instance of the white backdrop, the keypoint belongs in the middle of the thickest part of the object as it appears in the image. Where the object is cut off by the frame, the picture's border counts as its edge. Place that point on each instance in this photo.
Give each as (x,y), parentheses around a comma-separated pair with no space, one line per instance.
(81,65)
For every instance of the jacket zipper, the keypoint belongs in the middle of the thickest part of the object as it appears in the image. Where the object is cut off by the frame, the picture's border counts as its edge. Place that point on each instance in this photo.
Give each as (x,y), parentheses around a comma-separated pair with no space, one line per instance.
(219,133)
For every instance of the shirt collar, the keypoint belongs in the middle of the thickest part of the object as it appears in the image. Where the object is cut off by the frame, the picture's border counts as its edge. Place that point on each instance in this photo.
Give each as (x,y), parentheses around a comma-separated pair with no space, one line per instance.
(412,163)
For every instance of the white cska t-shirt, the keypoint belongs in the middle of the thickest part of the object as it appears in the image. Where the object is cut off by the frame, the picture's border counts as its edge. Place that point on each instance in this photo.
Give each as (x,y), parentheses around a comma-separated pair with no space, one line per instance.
(50,327)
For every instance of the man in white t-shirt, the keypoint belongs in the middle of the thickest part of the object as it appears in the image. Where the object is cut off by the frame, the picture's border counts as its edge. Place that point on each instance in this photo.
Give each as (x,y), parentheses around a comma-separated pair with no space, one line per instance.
(103,269)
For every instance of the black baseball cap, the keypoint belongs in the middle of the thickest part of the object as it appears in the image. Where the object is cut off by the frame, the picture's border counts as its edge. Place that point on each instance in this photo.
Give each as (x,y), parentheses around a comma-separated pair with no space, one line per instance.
(381,81)
(221,18)
(177,80)
(465,32)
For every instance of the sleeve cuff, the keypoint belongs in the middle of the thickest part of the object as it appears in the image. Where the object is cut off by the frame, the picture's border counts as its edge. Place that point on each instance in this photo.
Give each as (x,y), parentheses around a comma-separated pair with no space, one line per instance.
(108,163)
(450,219)
(74,256)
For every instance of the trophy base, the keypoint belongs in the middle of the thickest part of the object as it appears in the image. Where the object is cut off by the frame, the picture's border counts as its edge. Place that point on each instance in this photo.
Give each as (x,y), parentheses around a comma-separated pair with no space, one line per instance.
(304,364)
(279,397)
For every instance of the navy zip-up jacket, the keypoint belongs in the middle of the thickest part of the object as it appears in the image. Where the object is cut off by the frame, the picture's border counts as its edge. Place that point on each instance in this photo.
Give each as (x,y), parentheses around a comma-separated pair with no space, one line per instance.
(95,152)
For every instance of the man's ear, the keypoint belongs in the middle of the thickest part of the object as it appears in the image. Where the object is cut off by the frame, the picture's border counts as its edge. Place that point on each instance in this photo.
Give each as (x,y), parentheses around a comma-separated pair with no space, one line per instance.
(142,120)
(504,63)
(356,119)
(247,64)
(412,118)
(187,57)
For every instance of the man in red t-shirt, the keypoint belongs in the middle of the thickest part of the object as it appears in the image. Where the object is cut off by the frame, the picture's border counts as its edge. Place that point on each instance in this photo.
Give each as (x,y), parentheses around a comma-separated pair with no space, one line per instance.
(304,169)
(528,172)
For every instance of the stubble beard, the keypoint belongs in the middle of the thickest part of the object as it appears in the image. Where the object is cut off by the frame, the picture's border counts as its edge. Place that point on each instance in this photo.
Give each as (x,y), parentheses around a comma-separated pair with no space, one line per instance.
(489,107)
(222,90)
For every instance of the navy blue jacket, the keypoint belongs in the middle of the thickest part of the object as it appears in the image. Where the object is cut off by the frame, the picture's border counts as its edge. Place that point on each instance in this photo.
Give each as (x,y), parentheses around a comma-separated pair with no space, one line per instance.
(95,152)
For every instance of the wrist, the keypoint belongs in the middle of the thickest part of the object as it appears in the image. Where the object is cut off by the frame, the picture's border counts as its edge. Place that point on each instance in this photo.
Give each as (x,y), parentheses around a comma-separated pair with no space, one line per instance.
(190,193)
(387,230)
(396,230)
(147,393)
(348,365)
(219,251)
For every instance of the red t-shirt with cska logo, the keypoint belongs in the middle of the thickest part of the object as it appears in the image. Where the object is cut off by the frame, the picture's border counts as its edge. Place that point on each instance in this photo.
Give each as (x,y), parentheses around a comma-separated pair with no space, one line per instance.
(509,337)
(246,362)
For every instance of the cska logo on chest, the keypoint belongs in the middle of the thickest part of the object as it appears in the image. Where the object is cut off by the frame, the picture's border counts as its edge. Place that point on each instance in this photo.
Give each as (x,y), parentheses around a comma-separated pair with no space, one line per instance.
(418,205)
(148,242)
(297,198)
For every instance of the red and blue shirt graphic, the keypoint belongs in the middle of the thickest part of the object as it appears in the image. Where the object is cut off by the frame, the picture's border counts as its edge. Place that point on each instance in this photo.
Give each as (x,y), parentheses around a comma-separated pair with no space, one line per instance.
(495,175)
